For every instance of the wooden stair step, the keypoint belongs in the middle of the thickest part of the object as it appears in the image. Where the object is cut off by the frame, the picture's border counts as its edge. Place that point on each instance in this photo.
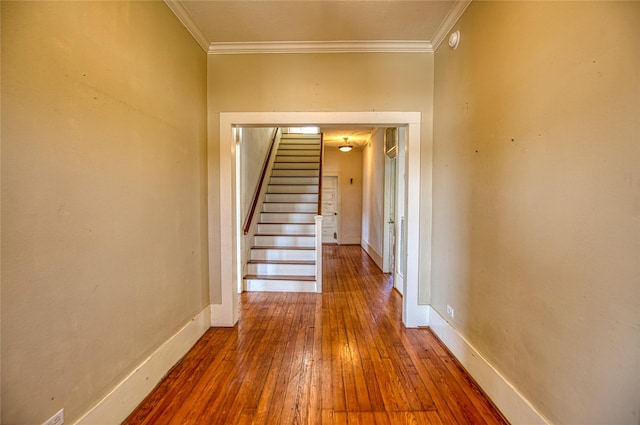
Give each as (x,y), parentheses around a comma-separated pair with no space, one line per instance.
(306,263)
(284,247)
(269,277)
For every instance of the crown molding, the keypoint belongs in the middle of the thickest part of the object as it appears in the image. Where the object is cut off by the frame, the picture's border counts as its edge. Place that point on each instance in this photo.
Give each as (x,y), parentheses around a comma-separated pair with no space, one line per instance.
(183,16)
(321,47)
(381,46)
(449,21)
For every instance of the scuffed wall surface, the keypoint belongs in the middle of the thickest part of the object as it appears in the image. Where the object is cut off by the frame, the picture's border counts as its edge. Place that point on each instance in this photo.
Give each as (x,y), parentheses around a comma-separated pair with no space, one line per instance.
(536,200)
(103,216)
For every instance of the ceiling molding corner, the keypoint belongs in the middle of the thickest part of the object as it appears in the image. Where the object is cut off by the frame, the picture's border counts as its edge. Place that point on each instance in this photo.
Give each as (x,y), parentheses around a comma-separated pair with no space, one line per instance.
(183,16)
(448,22)
(230,48)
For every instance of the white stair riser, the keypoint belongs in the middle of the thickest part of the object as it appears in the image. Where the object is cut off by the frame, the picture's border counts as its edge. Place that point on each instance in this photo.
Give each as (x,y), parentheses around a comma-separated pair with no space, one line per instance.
(296,166)
(283,254)
(275,269)
(309,207)
(286,229)
(291,197)
(300,146)
(298,159)
(295,173)
(269,285)
(299,152)
(285,241)
(301,137)
(294,180)
(296,188)
(286,218)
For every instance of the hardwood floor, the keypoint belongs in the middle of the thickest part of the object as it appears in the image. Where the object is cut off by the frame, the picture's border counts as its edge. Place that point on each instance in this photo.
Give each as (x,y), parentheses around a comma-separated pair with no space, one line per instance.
(340,357)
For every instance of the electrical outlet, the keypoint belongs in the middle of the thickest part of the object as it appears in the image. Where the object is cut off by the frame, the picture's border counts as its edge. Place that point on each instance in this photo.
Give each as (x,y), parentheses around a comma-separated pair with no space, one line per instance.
(57,419)
(450,312)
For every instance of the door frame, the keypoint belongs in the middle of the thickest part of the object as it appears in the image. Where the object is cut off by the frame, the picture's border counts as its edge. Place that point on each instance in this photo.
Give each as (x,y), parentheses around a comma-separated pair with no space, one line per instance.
(390,197)
(335,174)
(223,238)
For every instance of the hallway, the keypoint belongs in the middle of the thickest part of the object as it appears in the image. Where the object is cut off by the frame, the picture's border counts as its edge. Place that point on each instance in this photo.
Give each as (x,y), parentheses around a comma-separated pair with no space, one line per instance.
(333,358)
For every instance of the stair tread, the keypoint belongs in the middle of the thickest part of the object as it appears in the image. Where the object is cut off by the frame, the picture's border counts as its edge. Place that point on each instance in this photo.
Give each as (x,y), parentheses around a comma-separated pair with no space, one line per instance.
(293,193)
(307,235)
(288,248)
(295,262)
(303,223)
(271,277)
(301,212)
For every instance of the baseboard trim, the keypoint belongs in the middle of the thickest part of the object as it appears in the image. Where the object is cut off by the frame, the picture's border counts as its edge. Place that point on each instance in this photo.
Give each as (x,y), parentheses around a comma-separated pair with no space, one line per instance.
(125,397)
(513,405)
(221,317)
(375,256)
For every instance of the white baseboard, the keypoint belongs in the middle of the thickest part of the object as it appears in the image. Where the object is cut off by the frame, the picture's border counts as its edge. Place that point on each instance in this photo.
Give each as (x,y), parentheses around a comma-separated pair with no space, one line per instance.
(416,315)
(511,403)
(375,256)
(125,397)
(221,317)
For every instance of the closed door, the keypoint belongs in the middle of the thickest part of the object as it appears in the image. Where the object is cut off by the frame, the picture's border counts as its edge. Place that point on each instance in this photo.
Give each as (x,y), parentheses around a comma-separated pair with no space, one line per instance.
(330,209)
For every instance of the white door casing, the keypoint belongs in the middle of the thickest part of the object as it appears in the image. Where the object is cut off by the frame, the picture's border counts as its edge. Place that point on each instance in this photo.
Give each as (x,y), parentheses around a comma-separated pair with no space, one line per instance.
(389,216)
(222,174)
(329,209)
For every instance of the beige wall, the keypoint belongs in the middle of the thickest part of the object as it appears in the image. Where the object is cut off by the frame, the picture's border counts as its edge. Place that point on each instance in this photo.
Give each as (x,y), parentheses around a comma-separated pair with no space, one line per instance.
(254,146)
(312,83)
(103,212)
(373,195)
(348,167)
(536,234)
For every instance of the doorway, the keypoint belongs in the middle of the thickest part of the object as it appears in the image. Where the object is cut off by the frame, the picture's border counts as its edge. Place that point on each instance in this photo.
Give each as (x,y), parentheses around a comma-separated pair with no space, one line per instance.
(389,212)
(225,230)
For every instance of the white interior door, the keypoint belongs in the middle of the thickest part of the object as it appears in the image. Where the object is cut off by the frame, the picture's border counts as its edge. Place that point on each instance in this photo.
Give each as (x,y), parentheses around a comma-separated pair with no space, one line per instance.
(329,209)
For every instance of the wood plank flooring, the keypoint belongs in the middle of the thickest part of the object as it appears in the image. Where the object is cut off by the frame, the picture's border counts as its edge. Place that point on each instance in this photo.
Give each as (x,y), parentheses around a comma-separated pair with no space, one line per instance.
(340,357)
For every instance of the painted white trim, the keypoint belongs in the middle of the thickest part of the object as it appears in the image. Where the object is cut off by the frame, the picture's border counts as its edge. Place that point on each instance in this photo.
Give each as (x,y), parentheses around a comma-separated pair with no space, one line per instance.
(448,22)
(183,16)
(513,405)
(125,397)
(221,316)
(375,256)
(380,46)
(280,285)
(411,310)
(230,232)
(413,314)
(318,222)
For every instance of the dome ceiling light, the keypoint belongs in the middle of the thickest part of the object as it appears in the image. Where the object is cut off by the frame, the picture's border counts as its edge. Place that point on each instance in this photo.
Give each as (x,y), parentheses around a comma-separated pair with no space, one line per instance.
(345,147)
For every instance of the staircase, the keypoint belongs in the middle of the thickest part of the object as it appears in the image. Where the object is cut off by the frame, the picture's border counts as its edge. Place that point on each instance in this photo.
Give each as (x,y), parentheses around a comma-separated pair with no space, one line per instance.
(283,256)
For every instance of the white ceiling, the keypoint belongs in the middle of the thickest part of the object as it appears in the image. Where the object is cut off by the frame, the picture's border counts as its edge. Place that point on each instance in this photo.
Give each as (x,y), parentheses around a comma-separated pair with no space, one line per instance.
(382,25)
(326,25)
(313,20)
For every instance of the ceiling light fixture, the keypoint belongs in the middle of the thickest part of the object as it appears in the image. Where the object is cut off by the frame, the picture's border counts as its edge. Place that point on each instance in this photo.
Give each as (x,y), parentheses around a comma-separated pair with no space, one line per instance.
(454,39)
(346,147)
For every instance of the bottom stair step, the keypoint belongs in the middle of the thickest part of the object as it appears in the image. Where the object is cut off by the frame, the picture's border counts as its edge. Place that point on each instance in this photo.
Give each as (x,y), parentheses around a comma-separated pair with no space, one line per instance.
(281,268)
(280,283)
